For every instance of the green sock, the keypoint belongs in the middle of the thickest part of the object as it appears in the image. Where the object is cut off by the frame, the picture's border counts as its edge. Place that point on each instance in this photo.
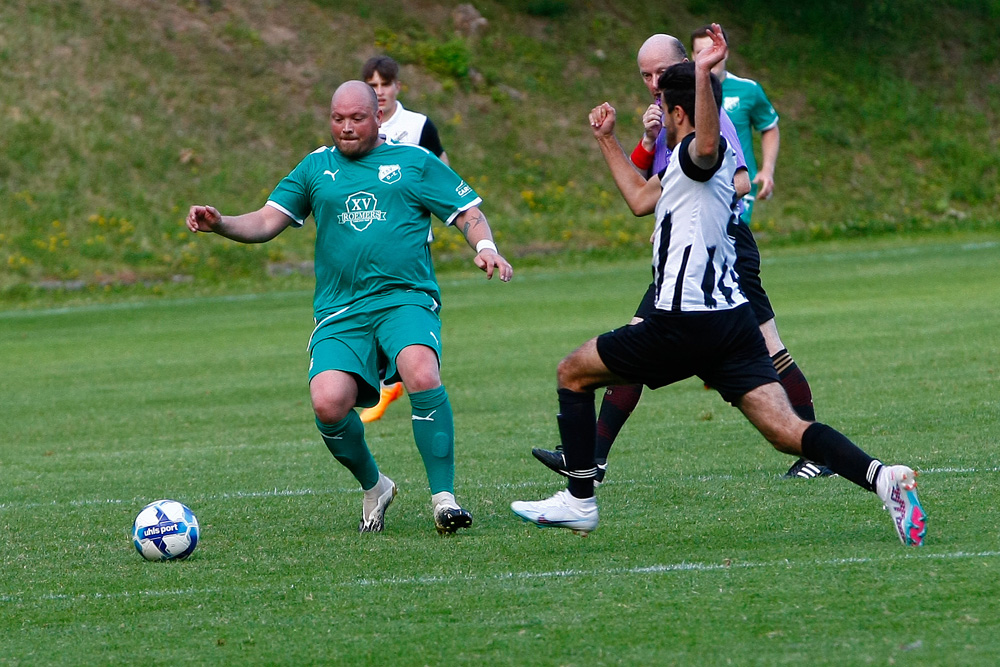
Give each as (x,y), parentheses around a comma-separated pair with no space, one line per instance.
(346,441)
(434,432)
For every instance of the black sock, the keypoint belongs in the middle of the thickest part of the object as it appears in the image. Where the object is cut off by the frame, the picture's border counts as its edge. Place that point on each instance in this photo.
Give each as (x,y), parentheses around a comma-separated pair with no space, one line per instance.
(795,385)
(577,426)
(618,404)
(829,447)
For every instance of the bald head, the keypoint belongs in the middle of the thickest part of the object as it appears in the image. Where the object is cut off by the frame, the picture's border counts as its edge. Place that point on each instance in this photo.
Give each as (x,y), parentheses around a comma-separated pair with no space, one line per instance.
(666,47)
(355,92)
(657,54)
(355,119)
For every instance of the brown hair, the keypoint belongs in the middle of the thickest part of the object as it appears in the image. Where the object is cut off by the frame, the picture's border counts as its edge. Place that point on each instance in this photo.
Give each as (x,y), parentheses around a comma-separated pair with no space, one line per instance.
(387,68)
(706,31)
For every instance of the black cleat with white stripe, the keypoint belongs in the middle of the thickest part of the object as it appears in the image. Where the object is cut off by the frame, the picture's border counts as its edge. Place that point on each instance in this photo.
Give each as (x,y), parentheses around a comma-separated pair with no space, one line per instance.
(806,469)
(555,460)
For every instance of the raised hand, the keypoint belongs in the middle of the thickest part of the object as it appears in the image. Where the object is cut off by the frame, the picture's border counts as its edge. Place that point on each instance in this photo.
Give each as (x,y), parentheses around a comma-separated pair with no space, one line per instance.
(709,57)
(602,120)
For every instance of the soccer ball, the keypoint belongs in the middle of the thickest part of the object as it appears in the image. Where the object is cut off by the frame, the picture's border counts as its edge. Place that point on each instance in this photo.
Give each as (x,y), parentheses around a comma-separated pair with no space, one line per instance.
(165,530)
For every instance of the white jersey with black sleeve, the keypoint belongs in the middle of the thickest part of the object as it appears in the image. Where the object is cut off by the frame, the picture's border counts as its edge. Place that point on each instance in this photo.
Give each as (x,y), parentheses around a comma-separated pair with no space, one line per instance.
(693,255)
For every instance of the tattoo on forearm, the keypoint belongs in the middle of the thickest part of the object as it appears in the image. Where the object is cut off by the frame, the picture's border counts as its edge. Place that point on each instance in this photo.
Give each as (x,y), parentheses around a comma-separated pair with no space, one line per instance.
(473,221)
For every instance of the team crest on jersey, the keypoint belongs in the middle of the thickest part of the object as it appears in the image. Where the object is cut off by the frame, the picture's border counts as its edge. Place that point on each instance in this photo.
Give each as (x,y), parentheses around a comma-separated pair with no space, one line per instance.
(730,103)
(362,211)
(389,173)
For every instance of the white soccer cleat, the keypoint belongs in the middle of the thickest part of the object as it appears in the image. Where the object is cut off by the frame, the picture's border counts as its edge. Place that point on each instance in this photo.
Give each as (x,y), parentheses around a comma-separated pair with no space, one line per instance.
(374,505)
(897,488)
(562,510)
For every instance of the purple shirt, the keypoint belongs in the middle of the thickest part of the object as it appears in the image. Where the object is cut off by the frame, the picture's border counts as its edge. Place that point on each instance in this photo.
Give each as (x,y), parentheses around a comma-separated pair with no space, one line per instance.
(661,154)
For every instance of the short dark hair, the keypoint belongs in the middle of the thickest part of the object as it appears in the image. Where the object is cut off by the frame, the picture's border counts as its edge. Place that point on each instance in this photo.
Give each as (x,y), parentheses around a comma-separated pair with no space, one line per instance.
(387,68)
(676,87)
(706,31)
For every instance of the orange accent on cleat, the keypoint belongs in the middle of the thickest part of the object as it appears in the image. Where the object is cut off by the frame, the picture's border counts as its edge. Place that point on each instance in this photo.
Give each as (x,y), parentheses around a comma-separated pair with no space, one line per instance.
(386,396)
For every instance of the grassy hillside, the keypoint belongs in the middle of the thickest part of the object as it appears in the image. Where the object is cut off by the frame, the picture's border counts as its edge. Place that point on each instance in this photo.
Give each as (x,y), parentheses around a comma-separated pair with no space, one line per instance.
(115,115)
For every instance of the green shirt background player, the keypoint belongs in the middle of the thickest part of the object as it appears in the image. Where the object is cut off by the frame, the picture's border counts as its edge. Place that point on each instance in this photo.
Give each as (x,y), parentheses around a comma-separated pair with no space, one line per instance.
(376,301)
(750,110)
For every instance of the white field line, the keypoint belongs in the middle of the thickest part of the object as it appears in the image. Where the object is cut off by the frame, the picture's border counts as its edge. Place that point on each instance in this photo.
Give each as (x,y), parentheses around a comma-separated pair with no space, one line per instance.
(487,577)
(285,493)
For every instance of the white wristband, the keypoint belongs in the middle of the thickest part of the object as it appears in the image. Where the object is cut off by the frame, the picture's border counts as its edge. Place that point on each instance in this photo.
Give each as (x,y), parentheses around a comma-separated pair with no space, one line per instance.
(486,243)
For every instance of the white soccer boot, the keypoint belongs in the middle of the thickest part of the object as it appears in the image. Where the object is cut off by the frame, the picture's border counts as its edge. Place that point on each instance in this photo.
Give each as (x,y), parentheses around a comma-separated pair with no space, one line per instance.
(562,510)
(377,499)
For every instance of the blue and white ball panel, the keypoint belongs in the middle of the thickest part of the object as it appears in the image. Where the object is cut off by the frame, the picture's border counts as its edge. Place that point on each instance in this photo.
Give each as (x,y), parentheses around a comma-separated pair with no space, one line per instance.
(165,530)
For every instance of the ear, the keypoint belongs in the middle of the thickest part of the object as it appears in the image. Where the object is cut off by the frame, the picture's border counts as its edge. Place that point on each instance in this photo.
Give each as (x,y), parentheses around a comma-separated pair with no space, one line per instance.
(679,115)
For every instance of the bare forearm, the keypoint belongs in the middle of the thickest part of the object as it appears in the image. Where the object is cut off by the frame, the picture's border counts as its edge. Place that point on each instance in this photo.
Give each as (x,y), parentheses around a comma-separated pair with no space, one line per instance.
(629,182)
(741,181)
(472,223)
(256,227)
(770,140)
(474,227)
(706,114)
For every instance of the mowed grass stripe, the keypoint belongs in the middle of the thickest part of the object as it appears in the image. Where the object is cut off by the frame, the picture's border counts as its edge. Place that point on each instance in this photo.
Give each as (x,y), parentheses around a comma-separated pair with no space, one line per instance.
(769,259)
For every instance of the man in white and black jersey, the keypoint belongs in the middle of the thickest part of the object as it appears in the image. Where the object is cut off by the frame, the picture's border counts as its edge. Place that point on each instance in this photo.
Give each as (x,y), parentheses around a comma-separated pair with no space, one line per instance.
(403,127)
(651,155)
(702,324)
(398,123)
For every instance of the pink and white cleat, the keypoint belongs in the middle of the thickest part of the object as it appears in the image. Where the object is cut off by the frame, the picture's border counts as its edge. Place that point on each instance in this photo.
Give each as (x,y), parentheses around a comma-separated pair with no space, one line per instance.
(897,488)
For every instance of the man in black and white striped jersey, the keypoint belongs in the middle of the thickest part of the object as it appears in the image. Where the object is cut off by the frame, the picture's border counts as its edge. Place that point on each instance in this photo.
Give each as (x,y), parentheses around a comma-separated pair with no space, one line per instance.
(702,324)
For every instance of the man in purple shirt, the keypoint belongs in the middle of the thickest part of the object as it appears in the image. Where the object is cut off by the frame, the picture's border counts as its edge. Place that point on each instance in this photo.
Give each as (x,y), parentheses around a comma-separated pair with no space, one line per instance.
(652,156)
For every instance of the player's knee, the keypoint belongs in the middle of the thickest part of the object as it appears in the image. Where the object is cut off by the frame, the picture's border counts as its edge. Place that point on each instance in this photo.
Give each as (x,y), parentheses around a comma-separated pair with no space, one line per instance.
(423,379)
(331,407)
(330,413)
(567,376)
(419,368)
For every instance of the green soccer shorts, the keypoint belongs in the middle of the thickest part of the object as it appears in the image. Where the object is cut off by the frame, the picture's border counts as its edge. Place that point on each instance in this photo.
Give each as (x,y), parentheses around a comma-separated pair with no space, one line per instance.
(365,337)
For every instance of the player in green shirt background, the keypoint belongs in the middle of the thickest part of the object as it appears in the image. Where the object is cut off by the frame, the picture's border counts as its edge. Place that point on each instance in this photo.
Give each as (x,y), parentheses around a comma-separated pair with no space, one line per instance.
(376,301)
(749,109)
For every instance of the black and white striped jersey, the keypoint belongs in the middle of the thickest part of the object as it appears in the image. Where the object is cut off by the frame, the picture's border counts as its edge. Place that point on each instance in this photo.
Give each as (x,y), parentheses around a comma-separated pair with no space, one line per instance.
(693,255)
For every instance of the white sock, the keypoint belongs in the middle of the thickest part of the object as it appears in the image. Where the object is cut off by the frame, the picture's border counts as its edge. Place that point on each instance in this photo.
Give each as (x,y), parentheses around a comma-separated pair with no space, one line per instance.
(882,483)
(371,495)
(580,503)
(446,498)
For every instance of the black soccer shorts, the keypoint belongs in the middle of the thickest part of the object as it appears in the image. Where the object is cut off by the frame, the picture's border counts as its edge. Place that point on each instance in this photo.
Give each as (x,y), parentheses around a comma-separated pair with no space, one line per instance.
(723,348)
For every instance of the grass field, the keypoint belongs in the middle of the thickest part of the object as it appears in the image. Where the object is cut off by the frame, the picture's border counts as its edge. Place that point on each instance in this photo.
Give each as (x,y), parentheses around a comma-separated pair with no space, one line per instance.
(704,554)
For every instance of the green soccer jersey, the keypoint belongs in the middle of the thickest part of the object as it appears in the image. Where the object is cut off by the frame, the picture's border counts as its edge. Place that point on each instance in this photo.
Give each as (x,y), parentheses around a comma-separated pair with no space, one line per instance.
(372,217)
(749,109)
